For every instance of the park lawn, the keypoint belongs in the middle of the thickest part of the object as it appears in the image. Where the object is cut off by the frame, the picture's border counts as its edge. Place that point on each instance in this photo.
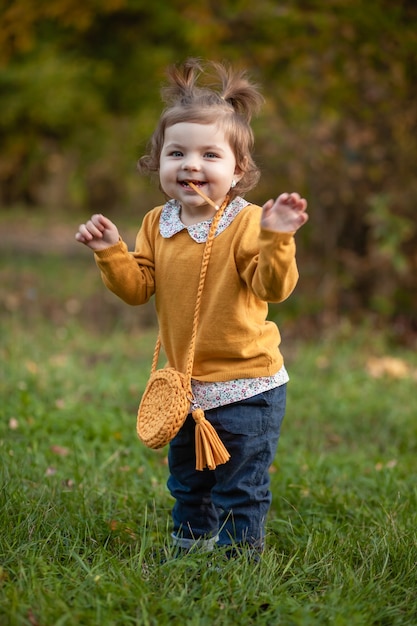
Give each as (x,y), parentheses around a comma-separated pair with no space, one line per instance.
(85,513)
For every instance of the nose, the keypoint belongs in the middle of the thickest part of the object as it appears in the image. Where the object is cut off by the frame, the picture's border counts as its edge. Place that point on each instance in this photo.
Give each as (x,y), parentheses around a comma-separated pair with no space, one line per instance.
(190,163)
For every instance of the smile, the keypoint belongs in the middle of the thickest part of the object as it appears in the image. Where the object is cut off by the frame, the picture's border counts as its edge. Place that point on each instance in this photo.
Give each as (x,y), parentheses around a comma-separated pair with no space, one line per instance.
(197,183)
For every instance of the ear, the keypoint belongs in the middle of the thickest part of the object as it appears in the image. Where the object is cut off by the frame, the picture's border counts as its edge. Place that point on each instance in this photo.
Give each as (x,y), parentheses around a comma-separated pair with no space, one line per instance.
(240,171)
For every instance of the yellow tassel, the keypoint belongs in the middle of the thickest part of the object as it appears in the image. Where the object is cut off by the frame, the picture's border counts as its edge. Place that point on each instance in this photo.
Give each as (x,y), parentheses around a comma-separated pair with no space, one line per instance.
(209,449)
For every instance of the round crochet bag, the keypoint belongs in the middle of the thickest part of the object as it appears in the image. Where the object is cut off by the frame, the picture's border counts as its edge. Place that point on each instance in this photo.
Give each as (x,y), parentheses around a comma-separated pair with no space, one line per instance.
(164,406)
(168,398)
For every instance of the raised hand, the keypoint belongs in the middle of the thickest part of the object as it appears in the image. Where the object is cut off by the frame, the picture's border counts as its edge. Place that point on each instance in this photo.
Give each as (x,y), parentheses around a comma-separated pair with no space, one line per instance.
(285,214)
(98,233)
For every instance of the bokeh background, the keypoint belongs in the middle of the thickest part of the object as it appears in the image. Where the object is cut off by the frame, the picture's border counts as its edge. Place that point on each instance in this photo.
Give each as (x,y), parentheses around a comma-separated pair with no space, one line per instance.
(80,95)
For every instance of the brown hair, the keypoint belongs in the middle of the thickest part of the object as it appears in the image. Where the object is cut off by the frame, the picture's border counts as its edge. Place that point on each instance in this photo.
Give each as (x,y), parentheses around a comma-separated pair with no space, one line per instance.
(232,106)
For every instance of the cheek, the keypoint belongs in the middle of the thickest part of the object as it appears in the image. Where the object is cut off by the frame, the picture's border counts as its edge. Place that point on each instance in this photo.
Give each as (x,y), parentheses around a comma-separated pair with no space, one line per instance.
(164,170)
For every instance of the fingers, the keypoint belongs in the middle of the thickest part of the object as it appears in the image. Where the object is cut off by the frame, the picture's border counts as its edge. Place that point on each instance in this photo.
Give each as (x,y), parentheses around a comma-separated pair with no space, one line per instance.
(96,226)
(293,200)
(93,229)
(285,214)
(268,204)
(266,208)
(98,233)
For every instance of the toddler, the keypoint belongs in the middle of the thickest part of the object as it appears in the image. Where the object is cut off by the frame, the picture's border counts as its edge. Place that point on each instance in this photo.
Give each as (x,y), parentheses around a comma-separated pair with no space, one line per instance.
(204,137)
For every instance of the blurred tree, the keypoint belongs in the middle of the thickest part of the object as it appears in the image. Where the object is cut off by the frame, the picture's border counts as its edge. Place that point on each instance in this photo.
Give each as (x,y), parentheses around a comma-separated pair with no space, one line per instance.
(79,97)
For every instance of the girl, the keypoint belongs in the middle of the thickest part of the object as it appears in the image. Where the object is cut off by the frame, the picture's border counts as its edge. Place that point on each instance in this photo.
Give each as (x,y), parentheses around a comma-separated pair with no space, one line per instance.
(239,379)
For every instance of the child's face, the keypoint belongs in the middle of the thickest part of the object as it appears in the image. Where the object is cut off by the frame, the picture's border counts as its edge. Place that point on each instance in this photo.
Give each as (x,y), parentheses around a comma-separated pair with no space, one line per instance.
(199,153)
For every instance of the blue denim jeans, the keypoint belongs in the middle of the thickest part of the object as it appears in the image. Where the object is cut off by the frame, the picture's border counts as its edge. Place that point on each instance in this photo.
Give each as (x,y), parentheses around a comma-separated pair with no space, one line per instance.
(227,505)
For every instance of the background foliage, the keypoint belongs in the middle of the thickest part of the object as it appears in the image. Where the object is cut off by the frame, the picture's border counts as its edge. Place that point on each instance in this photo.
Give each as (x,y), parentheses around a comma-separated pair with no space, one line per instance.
(83,506)
(79,97)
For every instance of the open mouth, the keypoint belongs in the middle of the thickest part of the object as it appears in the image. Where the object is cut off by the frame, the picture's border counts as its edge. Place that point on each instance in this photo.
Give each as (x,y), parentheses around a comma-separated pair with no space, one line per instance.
(195,183)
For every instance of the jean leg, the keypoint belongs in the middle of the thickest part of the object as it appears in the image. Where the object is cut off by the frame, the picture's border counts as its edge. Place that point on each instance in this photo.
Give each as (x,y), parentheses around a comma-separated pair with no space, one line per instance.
(250,431)
(194,514)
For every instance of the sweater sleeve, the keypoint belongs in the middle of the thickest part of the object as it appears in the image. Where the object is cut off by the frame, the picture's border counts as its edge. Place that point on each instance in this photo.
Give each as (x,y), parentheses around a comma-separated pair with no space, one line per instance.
(130,275)
(267,263)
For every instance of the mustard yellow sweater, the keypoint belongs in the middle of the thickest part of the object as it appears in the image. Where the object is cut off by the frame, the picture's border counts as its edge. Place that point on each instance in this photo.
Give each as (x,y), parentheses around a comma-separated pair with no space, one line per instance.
(248,268)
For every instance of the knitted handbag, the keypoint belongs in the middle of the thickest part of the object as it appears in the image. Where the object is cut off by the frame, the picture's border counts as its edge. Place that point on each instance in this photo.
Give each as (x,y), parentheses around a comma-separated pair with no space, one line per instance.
(168,396)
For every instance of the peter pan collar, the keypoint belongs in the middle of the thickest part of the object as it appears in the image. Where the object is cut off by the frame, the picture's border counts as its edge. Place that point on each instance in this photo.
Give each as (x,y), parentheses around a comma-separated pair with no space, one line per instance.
(170,223)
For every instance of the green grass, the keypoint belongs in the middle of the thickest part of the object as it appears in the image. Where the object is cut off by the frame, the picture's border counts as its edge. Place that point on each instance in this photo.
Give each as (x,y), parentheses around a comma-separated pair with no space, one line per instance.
(85,513)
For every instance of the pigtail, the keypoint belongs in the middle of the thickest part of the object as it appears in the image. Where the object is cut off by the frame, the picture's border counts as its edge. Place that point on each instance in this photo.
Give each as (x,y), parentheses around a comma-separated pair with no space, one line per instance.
(238,91)
(182,82)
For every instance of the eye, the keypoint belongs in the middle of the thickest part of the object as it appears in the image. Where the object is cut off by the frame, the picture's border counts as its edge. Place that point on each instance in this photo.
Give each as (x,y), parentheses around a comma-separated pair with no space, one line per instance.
(211,155)
(175,153)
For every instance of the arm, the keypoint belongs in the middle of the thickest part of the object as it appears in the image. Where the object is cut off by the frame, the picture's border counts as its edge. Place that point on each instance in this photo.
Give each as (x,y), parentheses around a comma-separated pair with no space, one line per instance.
(266,256)
(129,276)
(267,264)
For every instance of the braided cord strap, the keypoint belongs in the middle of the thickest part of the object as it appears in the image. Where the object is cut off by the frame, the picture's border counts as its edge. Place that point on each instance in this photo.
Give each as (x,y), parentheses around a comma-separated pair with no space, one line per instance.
(203,271)
(210,450)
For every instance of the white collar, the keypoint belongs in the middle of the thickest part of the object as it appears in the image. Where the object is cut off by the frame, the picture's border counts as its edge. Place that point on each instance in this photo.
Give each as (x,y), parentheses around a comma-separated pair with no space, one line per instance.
(170,222)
